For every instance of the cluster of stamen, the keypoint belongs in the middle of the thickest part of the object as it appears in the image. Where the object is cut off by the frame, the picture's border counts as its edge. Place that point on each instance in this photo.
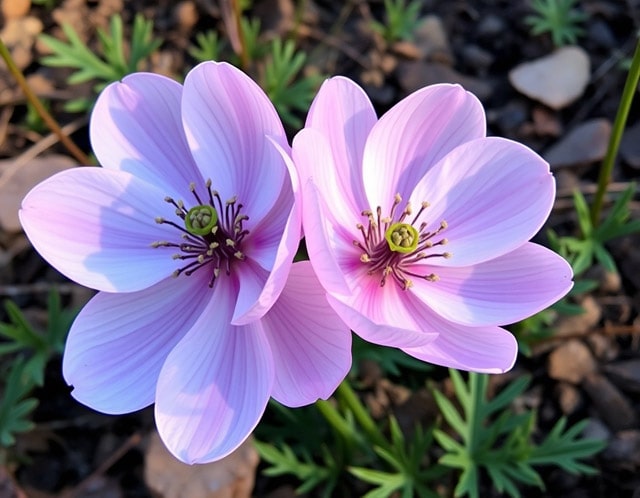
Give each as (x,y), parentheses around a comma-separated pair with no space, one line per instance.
(211,231)
(392,245)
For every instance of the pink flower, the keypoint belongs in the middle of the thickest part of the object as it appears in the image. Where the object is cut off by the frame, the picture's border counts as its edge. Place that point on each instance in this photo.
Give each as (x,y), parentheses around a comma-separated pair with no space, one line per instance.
(189,230)
(417,224)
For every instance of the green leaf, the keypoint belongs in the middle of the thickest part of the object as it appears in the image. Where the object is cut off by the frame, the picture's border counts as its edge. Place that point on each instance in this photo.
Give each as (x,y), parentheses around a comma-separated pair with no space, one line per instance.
(14,405)
(565,448)
(111,64)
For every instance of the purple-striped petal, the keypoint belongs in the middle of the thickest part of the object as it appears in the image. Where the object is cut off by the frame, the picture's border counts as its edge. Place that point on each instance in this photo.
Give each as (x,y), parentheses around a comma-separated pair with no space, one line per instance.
(381,314)
(136,126)
(476,349)
(119,342)
(227,118)
(343,114)
(96,226)
(494,195)
(311,345)
(499,291)
(215,384)
(413,136)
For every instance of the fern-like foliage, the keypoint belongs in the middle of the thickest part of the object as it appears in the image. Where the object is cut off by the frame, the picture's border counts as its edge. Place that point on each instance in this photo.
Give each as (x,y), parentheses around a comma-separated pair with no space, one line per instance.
(491,437)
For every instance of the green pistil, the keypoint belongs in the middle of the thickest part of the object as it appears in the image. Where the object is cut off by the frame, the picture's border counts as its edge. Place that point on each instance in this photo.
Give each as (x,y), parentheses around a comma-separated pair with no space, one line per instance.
(402,237)
(200,220)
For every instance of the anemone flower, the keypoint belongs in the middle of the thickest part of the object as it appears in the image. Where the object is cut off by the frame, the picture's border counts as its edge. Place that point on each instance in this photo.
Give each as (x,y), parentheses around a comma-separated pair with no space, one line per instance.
(189,230)
(417,224)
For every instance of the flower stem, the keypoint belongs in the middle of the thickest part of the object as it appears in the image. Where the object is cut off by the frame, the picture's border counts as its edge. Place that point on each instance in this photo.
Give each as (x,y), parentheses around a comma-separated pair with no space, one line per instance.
(604,177)
(244,55)
(347,396)
(331,415)
(75,151)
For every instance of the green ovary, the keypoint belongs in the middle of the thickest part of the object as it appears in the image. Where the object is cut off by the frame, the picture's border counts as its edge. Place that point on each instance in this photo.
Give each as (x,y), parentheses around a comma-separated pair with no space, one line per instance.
(402,237)
(200,220)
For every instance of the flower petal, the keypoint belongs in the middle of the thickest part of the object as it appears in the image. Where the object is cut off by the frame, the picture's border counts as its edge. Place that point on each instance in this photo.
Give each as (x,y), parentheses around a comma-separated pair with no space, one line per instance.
(313,157)
(215,384)
(96,226)
(273,245)
(499,291)
(413,136)
(344,115)
(325,240)
(118,342)
(493,193)
(381,314)
(311,345)
(136,126)
(227,117)
(477,349)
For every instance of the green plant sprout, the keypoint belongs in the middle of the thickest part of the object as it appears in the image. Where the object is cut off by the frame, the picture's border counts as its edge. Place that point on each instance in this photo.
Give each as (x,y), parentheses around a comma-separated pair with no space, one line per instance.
(38,347)
(282,83)
(208,47)
(405,458)
(31,350)
(590,245)
(15,406)
(493,437)
(401,20)
(114,64)
(559,18)
(253,48)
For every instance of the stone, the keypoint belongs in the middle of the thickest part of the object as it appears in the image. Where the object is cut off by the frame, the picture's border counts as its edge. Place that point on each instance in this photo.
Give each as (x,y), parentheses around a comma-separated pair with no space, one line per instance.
(596,429)
(569,397)
(413,75)
(430,36)
(624,448)
(186,16)
(604,347)
(17,178)
(585,144)
(19,35)
(612,406)
(579,325)
(477,57)
(231,477)
(491,25)
(608,281)
(13,9)
(556,80)
(571,362)
(626,374)
(630,146)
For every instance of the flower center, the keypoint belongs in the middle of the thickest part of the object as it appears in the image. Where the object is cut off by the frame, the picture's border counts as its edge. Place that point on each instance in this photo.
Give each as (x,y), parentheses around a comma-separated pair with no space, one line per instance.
(403,245)
(211,233)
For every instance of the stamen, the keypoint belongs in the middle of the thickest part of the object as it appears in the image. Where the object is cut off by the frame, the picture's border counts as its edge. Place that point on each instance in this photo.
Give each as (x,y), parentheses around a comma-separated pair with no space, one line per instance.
(403,244)
(211,232)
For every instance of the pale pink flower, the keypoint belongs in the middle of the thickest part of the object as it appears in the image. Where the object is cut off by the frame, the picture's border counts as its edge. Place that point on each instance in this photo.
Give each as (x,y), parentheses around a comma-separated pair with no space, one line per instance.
(206,318)
(417,224)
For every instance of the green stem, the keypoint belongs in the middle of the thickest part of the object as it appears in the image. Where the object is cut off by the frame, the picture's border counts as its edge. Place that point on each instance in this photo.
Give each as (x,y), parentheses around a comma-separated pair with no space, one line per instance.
(75,151)
(477,391)
(350,399)
(630,88)
(331,415)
